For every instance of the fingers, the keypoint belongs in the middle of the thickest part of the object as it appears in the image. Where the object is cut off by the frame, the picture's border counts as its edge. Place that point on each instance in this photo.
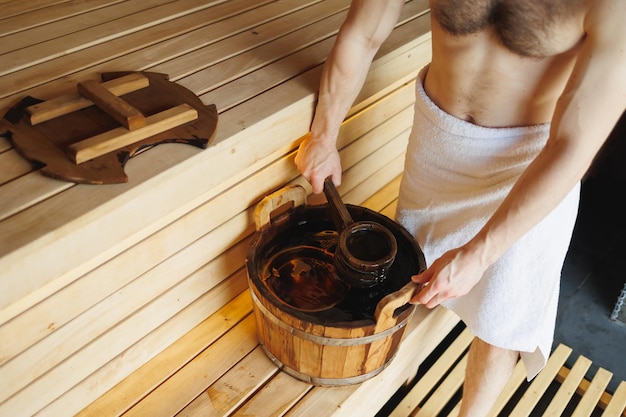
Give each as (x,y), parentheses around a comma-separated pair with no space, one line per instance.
(316,163)
(429,296)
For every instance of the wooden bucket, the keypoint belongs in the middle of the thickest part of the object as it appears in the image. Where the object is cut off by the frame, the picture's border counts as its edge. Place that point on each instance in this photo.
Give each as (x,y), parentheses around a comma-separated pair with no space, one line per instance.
(354,333)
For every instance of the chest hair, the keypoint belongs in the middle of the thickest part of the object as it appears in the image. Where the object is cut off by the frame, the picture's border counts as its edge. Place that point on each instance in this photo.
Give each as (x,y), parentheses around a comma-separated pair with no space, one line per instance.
(526,27)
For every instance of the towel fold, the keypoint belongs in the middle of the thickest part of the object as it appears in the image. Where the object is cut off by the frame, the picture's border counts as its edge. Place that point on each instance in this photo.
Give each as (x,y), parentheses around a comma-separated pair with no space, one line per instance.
(456,175)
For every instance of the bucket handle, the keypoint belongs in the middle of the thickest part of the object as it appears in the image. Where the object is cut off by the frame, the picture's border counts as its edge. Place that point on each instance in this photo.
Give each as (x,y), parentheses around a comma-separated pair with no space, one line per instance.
(295,194)
(388,305)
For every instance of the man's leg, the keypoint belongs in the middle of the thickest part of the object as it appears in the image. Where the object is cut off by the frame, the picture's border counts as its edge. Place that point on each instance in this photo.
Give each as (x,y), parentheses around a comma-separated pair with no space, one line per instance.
(488,370)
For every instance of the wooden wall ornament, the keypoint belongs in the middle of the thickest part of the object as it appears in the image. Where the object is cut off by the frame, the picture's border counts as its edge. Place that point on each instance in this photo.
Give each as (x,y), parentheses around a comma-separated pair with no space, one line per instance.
(89,136)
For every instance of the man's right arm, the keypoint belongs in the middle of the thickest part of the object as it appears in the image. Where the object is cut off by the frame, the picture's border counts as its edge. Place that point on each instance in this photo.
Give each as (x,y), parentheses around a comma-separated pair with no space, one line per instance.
(368,24)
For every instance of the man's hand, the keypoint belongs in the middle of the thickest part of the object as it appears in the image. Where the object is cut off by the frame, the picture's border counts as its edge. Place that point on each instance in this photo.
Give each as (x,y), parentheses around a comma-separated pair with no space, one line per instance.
(452,275)
(317,160)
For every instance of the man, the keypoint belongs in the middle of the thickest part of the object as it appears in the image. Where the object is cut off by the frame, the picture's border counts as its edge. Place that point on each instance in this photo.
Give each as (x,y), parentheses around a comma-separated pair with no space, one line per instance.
(519,97)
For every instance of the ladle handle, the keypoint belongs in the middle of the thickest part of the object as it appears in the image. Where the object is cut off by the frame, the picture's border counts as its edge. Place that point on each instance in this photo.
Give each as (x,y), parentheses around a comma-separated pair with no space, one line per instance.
(338,210)
(388,305)
(294,194)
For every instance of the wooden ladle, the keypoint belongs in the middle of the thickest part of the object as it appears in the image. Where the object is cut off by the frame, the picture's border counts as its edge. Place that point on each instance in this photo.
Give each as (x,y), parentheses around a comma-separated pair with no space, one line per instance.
(365,250)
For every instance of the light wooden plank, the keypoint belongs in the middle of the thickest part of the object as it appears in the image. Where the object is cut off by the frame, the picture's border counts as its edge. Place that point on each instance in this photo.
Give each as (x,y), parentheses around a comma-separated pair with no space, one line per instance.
(66,104)
(235,387)
(388,193)
(394,166)
(146,48)
(591,396)
(237,91)
(280,394)
(106,142)
(393,150)
(568,388)
(58,47)
(13,166)
(66,346)
(181,388)
(582,388)
(411,401)
(25,191)
(456,410)
(298,14)
(106,377)
(249,62)
(617,405)
(128,392)
(254,83)
(119,338)
(12,8)
(445,392)
(541,382)
(10,26)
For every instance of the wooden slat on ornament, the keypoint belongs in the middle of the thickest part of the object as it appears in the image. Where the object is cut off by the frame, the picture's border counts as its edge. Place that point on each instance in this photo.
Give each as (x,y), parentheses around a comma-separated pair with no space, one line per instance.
(66,104)
(48,142)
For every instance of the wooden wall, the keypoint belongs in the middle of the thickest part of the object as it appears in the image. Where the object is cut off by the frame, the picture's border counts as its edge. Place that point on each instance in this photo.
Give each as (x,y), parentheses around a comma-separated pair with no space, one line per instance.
(96,280)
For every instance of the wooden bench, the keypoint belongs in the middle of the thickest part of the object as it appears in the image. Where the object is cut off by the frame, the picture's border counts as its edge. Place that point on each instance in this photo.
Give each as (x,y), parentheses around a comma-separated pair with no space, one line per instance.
(131,298)
(95,281)
(219,368)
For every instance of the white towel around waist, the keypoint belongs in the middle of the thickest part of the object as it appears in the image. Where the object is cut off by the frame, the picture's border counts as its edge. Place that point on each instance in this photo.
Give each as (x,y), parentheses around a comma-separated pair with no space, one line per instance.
(456,174)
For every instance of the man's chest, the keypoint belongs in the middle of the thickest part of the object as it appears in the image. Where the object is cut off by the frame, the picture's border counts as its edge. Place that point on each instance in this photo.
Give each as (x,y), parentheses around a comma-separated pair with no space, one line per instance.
(526,27)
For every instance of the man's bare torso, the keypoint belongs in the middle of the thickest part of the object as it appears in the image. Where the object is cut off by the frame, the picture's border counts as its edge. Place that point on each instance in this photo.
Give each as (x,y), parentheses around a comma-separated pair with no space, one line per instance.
(503,62)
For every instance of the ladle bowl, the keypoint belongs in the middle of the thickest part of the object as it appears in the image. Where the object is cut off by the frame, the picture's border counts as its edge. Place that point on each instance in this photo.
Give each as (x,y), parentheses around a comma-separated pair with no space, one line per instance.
(366,249)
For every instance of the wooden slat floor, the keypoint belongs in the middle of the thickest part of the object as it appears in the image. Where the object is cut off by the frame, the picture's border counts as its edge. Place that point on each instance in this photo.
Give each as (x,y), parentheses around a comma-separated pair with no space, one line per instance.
(556,391)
